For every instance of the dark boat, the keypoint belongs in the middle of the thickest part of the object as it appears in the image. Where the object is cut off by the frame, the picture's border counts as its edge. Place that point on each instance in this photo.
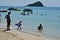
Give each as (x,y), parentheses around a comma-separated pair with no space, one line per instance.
(3,10)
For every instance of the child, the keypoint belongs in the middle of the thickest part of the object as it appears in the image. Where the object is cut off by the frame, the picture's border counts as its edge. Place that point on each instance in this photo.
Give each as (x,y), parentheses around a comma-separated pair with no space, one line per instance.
(19,25)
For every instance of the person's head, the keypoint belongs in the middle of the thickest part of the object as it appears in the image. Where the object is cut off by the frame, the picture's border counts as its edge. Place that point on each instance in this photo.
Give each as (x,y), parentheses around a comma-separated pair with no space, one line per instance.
(40,24)
(8,13)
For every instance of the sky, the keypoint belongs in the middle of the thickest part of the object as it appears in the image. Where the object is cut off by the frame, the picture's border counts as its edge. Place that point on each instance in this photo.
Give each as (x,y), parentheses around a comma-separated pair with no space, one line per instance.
(48,3)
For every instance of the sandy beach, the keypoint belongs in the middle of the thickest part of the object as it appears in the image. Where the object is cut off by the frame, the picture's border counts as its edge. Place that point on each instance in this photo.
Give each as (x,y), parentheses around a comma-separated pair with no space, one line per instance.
(15,35)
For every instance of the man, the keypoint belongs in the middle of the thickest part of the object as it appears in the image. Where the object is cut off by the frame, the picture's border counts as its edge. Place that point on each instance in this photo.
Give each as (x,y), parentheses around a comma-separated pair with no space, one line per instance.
(8,21)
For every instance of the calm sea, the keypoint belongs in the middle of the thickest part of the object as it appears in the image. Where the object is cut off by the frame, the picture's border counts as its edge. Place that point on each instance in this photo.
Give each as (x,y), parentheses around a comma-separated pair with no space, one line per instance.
(49,17)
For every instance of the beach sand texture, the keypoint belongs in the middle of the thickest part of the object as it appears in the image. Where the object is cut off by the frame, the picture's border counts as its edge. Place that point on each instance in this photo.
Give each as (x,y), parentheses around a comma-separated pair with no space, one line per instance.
(15,35)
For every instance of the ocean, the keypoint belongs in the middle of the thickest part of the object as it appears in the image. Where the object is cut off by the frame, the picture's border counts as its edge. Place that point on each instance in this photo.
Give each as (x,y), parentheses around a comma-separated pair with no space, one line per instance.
(49,17)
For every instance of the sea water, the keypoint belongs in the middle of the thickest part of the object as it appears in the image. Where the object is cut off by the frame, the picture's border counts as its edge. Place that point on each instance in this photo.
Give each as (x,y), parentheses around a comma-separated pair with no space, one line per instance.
(49,17)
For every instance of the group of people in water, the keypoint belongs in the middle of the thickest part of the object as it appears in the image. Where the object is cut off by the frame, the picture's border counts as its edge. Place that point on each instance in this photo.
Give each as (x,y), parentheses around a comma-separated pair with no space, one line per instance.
(40,27)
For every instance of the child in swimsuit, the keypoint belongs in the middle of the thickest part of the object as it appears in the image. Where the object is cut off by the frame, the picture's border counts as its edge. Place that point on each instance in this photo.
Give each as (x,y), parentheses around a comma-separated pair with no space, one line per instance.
(19,25)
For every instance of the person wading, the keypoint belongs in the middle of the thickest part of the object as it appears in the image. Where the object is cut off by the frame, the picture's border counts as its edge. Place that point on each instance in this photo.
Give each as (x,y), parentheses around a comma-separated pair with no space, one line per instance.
(8,20)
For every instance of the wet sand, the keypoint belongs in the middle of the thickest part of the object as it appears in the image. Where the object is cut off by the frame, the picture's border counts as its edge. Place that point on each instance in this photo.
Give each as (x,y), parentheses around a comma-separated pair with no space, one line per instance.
(16,35)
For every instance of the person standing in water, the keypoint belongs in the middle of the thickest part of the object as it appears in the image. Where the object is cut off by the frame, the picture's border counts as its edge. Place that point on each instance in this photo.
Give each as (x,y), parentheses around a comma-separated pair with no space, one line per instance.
(40,27)
(8,21)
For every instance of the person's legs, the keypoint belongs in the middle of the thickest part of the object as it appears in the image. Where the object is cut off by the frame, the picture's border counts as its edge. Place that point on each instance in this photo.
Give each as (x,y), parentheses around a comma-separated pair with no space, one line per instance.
(8,25)
(20,28)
